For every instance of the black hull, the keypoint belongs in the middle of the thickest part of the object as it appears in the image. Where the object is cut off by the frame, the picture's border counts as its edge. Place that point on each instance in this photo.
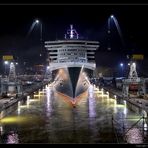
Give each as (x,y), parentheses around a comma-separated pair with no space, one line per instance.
(72,81)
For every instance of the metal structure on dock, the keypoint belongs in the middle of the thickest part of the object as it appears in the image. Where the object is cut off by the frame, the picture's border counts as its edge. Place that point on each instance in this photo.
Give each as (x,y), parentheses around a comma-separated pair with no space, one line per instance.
(133,83)
(10,86)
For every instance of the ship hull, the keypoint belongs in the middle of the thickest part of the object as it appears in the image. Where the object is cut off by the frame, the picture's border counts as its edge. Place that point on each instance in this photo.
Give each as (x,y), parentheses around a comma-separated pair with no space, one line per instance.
(71,81)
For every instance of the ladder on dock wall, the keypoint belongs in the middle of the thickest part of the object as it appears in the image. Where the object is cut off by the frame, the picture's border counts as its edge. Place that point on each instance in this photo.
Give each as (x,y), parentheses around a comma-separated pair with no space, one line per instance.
(121,131)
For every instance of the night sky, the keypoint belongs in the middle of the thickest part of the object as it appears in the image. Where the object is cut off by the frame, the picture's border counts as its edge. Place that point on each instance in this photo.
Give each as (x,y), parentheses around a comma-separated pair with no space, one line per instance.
(91,21)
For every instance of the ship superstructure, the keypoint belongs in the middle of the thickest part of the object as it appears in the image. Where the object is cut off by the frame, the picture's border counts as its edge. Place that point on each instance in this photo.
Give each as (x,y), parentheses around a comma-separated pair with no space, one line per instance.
(71,61)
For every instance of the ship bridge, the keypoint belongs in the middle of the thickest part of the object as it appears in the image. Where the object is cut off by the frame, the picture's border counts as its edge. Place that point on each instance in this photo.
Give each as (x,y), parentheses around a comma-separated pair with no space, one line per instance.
(71,52)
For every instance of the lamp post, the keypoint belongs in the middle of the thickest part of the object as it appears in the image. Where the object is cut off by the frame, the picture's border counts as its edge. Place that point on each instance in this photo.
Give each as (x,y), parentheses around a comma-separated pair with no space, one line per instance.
(5,63)
(36,21)
(121,65)
(109,31)
(39,22)
(16,64)
(41,32)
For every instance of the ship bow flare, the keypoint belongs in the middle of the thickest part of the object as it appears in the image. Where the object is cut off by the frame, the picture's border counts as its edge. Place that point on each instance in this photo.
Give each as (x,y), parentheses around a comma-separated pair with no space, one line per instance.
(74,77)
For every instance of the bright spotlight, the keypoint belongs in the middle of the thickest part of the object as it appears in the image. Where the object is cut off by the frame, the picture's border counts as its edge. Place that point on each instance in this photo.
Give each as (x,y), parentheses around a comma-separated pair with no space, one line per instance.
(48,67)
(111,16)
(6,62)
(134,63)
(37,21)
(121,64)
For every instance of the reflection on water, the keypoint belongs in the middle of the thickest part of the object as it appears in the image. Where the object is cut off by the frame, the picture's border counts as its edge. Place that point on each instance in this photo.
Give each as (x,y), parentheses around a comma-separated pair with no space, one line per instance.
(12,138)
(49,95)
(134,136)
(49,118)
(92,107)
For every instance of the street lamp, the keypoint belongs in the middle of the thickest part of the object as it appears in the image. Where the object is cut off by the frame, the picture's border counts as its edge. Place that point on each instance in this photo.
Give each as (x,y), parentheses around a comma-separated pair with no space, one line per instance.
(5,63)
(112,16)
(48,67)
(41,30)
(36,21)
(39,22)
(109,30)
(121,65)
(109,21)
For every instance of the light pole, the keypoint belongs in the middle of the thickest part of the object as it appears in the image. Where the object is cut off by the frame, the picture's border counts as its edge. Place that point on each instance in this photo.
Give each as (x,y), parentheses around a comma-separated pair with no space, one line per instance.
(36,21)
(109,23)
(121,65)
(109,31)
(41,31)
(5,63)
(16,64)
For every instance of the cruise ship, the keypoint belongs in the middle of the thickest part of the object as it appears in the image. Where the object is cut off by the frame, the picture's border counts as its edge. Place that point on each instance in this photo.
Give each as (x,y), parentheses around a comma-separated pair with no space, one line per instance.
(71,62)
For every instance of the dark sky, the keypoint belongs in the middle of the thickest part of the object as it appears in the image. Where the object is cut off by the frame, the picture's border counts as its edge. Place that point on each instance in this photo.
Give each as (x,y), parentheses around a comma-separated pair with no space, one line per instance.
(89,20)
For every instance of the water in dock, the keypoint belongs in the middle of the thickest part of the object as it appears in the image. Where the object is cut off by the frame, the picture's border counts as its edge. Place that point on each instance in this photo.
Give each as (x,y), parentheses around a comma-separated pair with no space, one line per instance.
(48,118)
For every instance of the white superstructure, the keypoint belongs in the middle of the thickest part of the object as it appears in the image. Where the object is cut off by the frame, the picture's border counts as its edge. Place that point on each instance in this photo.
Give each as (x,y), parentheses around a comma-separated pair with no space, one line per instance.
(72,52)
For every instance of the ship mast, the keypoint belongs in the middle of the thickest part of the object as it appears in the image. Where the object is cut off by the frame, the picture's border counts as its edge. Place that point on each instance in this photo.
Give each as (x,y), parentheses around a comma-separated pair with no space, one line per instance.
(71,33)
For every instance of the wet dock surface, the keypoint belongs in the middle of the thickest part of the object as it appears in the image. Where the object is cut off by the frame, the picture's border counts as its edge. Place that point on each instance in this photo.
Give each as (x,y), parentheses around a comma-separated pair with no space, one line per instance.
(48,118)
